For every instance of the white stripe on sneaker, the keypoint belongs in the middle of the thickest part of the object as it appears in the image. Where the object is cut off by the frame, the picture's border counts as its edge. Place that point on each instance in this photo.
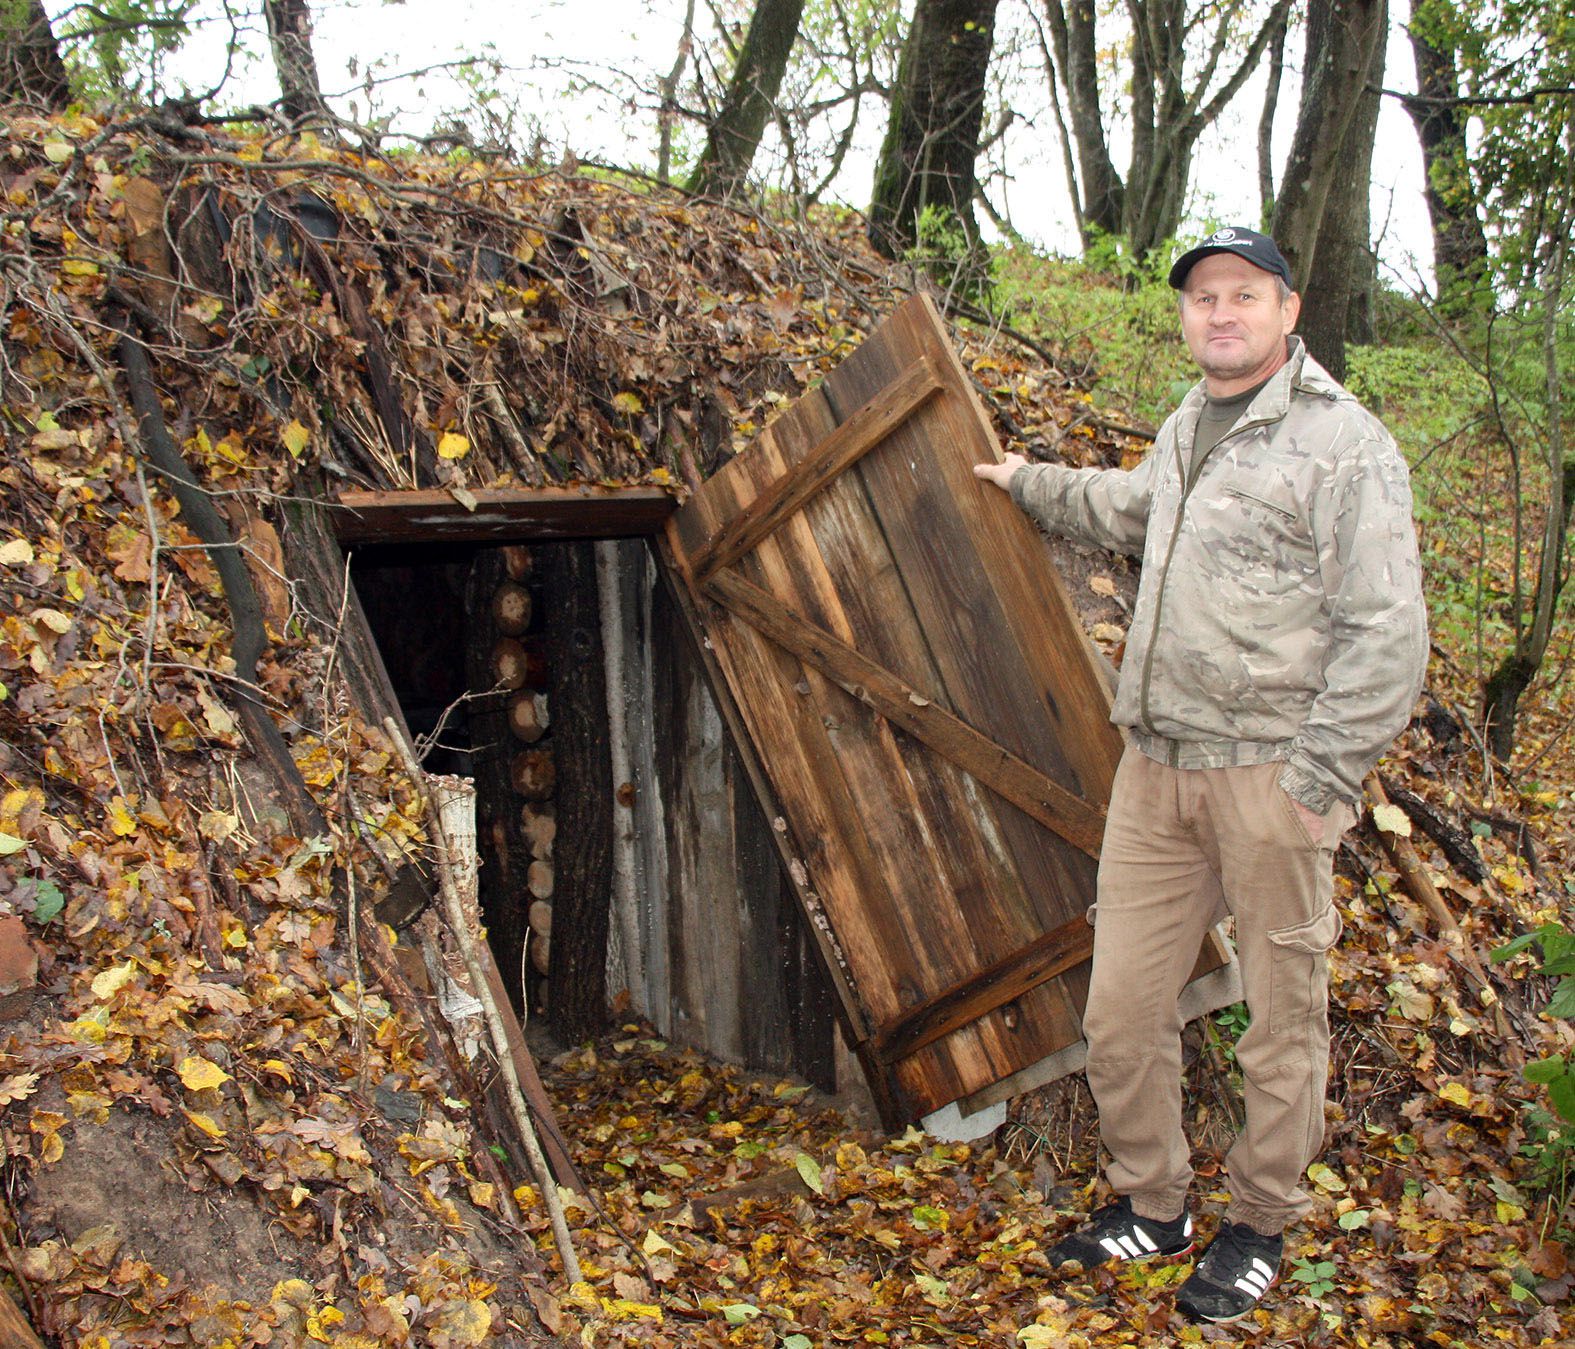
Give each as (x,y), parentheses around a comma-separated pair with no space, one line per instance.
(1255,1282)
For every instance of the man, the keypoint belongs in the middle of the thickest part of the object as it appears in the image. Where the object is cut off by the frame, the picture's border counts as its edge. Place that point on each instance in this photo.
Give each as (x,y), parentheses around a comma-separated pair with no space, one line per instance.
(1276,648)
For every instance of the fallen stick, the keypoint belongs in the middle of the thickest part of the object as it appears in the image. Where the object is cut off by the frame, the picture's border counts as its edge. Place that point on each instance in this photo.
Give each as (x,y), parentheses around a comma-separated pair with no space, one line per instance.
(453,910)
(1413,875)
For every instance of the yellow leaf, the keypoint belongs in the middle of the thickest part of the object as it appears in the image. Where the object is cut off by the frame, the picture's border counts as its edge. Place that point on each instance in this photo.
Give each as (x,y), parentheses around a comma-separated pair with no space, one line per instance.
(655,1244)
(78,267)
(622,1309)
(467,1322)
(52,619)
(52,1150)
(809,1172)
(482,1193)
(217,824)
(16,553)
(111,981)
(296,438)
(318,1324)
(217,716)
(628,403)
(293,1293)
(1457,1093)
(121,822)
(452,445)
(57,151)
(206,1123)
(1325,1178)
(198,1074)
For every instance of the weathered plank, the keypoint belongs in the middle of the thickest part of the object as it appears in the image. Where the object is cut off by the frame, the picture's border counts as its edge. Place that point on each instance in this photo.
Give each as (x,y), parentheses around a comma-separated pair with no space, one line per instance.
(839,451)
(951,882)
(501,514)
(1048,802)
(996,985)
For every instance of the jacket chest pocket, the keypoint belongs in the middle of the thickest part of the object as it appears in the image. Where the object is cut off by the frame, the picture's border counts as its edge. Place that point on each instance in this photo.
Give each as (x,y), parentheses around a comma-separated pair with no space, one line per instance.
(1270,501)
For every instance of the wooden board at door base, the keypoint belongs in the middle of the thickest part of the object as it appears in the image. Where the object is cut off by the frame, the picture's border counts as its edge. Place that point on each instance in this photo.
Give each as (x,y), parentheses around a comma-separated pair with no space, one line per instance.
(929,714)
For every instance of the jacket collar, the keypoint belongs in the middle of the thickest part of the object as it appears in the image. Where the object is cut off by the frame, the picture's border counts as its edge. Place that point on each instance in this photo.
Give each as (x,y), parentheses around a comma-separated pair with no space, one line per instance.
(1299,374)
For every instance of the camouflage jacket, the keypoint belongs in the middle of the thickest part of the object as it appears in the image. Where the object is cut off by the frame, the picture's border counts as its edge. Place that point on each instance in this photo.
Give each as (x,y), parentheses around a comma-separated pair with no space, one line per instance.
(1280,612)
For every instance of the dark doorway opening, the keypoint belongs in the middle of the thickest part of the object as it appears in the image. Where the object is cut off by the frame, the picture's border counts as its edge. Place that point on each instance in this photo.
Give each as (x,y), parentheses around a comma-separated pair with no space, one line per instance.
(497,653)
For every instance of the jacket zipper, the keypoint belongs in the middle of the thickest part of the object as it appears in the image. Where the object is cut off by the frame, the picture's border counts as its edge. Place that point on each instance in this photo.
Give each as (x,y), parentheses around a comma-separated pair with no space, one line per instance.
(1188,482)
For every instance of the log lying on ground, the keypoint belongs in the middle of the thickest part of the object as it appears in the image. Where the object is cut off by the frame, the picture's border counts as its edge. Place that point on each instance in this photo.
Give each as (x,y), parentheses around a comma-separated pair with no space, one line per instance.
(1419,885)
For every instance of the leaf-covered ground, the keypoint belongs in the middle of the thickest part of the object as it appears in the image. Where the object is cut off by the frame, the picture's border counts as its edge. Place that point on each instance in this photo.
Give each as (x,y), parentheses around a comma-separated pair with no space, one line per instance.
(739,1211)
(732,1210)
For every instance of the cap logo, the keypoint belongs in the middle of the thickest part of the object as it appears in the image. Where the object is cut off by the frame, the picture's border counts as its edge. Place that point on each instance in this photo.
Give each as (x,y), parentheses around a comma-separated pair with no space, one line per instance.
(1223,237)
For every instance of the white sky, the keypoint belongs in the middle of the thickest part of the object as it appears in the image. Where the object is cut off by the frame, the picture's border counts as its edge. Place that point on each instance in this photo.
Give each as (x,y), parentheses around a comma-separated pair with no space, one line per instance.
(550,45)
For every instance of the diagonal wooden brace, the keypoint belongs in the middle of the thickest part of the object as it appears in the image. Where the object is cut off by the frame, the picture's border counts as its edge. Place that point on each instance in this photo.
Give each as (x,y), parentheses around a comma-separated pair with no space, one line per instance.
(1019,782)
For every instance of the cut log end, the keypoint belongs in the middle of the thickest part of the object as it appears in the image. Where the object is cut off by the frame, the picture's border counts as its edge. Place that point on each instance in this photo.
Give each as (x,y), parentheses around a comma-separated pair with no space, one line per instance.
(534,774)
(528,715)
(511,608)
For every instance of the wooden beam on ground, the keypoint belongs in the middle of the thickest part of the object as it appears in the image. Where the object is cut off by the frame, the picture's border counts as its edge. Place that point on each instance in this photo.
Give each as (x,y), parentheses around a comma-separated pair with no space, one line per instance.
(501,514)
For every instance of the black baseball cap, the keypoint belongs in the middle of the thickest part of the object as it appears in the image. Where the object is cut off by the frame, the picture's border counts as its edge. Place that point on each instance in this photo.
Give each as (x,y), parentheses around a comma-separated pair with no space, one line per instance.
(1258,249)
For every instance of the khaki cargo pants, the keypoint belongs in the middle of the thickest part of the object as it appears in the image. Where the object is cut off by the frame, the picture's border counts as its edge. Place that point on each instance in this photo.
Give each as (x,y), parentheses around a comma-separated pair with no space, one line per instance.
(1182,847)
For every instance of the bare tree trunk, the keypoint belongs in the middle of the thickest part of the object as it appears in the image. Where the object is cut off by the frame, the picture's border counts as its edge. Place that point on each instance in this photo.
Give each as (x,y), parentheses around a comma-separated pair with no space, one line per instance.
(1342,256)
(751,96)
(1341,35)
(1459,246)
(290,32)
(31,70)
(932,139)
(1072,30)
(1271,104)
(669,92)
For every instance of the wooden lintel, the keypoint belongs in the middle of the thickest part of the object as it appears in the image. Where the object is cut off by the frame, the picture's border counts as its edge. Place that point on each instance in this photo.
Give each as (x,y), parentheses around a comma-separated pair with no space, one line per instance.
(844,447)
(995,986)
(1019,782)
(500,514)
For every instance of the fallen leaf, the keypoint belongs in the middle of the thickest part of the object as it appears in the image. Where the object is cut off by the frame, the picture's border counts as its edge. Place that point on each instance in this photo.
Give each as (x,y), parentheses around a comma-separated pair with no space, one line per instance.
(1392,820)
(199,1074)
(809,1171)
(111,981)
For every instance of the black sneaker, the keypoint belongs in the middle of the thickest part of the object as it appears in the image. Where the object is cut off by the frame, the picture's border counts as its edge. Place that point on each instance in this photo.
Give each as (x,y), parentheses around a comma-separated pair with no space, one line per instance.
(1115,1233)
(1232,1276)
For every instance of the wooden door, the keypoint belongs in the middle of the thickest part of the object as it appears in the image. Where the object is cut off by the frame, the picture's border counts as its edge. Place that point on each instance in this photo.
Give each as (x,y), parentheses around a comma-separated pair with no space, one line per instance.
(930,717)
